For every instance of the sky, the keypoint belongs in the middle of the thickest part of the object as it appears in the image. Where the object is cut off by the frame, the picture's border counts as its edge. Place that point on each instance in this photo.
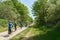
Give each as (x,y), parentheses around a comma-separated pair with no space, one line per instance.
(29,4)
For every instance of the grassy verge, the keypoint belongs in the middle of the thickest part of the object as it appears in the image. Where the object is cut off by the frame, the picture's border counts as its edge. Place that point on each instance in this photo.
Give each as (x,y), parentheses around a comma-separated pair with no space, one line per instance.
(3,25)
(21,35)
(34,32)
(38,34)
(2,29)
(44,34)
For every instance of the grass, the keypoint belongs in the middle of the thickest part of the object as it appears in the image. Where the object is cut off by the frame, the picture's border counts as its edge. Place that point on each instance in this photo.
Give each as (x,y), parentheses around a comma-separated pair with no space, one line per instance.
(21,35)
(3,25)
(45,35)
(38,34)
(2,29)
(34,32)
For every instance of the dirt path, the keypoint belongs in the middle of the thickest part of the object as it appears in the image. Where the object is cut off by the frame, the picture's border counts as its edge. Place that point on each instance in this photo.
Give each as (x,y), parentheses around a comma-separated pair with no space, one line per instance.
(6,36)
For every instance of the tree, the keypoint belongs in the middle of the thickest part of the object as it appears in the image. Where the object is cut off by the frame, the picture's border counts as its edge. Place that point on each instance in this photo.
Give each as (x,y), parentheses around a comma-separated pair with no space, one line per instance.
(7,13)
(22,10)
(39,8)
(53,12)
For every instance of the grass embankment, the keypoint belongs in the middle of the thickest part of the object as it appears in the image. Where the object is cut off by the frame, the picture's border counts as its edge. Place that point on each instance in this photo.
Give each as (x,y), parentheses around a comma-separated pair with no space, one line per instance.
(39,34)
(45,34)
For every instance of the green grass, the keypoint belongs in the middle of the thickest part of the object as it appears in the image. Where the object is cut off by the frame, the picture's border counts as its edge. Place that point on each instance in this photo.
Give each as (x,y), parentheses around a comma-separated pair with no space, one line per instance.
(21,35)
(2,29)
(39,34)
(34,32)
(3,25)
(45,35)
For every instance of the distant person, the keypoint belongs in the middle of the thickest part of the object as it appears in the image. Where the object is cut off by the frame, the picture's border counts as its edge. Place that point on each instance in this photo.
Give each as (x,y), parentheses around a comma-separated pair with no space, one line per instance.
(15,26)
(9,27)
(21,24)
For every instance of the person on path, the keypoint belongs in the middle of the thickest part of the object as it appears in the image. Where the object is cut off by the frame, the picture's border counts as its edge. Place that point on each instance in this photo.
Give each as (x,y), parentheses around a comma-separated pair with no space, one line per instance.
(21,24)
(9,27)
(15,26)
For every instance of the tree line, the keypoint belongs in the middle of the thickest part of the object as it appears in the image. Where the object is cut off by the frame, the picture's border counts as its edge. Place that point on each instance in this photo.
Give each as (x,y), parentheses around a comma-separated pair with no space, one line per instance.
(47,12)
(13,10)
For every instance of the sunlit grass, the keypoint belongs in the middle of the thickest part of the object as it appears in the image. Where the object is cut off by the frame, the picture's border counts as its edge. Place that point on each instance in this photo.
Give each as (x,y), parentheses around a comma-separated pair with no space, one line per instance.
(33,32)
(2,29)
(21,35)
(37,34)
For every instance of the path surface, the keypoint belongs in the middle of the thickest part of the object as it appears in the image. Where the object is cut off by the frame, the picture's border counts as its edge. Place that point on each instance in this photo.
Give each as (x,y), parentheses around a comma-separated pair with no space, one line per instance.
(6,36)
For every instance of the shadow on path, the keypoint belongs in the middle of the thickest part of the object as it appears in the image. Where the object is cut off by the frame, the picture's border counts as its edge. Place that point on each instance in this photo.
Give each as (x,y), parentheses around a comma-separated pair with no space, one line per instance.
(6,35)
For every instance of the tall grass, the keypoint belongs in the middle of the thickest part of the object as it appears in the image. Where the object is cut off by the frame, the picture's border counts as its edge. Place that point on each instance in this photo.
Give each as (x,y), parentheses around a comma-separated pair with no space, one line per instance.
(3,25)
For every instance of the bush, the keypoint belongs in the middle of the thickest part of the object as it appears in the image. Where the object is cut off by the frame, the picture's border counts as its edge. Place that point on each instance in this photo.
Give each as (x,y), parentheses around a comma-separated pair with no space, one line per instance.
(3,22)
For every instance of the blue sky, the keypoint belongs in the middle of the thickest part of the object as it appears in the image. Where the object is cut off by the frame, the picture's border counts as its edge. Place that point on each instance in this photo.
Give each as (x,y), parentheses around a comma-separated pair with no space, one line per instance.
(29,4)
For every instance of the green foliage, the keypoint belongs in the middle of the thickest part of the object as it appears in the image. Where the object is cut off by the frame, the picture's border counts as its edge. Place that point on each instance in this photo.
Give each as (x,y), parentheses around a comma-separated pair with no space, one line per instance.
(3,22)
(53,12)
(13,7)
(39,10)
(6,12)
(51,18)
(47,12)
(12,10)
(22,10)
